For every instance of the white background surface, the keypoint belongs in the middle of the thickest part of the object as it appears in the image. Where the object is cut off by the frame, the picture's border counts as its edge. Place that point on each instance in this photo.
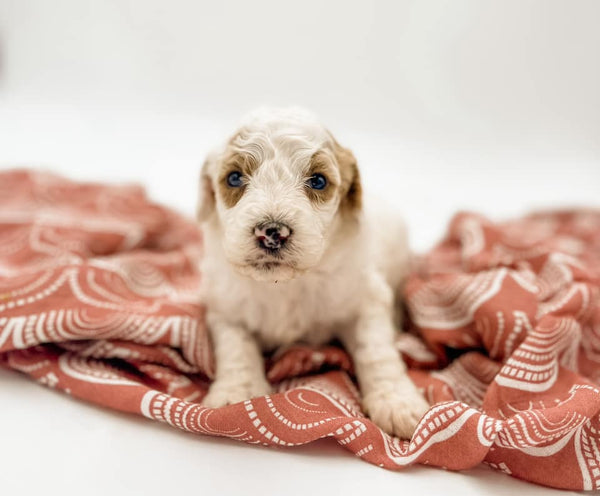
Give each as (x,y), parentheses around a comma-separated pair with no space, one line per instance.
(492,106)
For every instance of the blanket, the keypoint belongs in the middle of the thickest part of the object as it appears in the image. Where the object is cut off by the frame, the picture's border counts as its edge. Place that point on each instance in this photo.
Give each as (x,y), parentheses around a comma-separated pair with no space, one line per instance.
(99,299)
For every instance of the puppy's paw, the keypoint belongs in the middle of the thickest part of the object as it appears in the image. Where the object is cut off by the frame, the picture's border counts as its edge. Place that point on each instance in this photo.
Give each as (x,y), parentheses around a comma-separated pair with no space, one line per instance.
(398,411)
(223,393)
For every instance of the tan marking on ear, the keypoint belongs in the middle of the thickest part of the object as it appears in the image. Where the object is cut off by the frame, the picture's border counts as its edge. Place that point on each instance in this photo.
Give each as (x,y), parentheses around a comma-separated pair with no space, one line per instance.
(351,187)
(233,162)
(321,162)
(206,198)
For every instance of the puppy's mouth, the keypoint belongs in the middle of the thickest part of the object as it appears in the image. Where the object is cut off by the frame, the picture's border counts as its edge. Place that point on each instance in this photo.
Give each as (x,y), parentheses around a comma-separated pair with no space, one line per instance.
(269,262)
(268,269)
(266,265)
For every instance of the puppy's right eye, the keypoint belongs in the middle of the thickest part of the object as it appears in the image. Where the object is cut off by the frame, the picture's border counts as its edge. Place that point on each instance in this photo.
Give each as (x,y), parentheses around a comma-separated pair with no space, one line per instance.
(317,181)
(234,179)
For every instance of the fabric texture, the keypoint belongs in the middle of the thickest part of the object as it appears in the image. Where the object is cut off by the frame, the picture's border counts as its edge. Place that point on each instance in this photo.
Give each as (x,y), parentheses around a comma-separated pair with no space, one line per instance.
(99,298)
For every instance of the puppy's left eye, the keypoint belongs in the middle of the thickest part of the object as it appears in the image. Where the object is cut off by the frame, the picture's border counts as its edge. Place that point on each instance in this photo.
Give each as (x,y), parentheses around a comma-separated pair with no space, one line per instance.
(234,179)
(317,181)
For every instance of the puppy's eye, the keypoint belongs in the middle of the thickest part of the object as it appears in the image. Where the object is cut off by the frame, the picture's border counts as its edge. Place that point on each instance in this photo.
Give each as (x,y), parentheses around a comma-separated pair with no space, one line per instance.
(234,179)
(317,181)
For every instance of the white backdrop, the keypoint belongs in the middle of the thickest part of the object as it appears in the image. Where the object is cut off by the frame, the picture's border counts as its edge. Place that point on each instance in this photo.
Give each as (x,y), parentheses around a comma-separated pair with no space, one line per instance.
(487,105)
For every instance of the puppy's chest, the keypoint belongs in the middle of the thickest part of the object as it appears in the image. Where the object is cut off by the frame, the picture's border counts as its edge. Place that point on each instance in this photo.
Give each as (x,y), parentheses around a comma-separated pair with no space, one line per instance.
(309,310)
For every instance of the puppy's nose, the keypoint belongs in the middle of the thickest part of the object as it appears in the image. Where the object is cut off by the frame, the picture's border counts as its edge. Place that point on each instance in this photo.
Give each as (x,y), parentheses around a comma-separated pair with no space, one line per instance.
(272,235)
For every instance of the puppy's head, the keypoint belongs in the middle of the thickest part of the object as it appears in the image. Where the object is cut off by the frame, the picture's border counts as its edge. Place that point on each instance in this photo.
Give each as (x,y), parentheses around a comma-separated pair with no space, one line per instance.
(277,192)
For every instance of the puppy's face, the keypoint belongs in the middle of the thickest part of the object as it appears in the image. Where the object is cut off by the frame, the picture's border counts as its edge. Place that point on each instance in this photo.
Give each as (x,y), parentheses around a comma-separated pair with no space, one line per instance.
(278,191)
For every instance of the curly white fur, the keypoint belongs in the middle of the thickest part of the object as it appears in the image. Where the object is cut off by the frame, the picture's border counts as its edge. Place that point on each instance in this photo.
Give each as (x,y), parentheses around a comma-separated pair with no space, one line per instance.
(339,276)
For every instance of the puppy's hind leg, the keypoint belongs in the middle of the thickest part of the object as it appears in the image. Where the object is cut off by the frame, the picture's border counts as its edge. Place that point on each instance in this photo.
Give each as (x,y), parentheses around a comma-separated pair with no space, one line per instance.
(240,368)
(391,253)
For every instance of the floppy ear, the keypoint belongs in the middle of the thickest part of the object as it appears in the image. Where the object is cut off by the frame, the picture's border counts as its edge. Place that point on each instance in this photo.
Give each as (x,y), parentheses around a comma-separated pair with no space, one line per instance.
(352,189)
(206,197)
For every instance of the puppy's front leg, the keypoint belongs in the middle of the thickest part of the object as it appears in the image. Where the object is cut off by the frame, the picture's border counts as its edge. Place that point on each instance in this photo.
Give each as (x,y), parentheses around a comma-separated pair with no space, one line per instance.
(240,369)
(389,396)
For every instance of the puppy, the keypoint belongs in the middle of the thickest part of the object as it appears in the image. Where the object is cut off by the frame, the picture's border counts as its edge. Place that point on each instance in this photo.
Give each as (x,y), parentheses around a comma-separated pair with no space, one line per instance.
(291,255)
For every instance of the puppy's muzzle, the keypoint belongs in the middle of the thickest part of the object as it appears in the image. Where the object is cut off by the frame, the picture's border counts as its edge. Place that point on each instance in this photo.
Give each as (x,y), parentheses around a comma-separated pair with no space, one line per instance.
(271,236)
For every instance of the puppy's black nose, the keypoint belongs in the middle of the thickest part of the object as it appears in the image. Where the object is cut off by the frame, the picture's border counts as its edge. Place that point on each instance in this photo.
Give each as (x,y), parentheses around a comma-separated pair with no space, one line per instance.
(271,236)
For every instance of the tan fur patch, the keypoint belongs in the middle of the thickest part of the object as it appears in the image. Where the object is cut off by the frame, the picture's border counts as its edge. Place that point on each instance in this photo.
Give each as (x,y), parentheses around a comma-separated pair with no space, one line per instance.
(206,203)
(351,187)
(235,162)
(321,163)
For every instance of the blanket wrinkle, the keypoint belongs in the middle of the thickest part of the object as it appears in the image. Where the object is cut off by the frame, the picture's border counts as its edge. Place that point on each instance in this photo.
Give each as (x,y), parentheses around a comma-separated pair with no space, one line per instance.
(99,299)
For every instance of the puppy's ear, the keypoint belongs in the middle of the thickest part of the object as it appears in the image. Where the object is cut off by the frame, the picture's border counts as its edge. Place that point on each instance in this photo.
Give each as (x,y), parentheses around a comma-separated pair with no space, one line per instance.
(206,196)
(351,186)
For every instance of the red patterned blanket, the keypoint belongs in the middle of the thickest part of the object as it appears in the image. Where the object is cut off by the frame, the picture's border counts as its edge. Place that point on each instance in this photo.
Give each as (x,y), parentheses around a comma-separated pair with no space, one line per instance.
(99,298)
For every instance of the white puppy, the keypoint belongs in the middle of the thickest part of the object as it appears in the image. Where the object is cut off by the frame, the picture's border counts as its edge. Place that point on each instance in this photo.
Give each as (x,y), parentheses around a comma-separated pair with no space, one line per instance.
(291,255)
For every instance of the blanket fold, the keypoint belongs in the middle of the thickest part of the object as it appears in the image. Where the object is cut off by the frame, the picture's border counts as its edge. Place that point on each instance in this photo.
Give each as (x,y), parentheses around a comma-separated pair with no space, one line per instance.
(99,298)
